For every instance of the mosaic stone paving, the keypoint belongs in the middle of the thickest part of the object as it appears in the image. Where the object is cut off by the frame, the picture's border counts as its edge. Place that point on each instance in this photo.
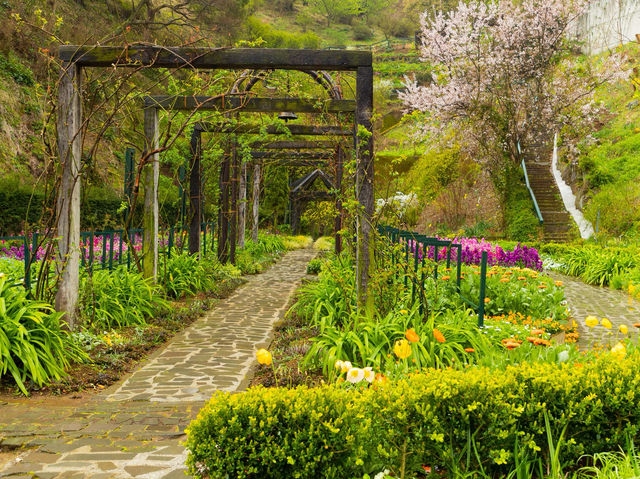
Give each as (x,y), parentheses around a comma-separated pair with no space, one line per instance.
(135,428)
(584,300)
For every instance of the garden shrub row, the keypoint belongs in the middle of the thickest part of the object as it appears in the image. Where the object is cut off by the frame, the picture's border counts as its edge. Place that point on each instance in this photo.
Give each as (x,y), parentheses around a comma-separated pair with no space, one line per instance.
(461,421)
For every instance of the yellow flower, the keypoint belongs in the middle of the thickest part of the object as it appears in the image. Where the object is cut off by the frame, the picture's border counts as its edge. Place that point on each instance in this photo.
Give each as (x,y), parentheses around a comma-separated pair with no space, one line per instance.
(339,364)
(558,283)
(619,351)
(402,349)
(264,357)
(591,321)
(403,311)
(606,323)
(623,329)
(487,300)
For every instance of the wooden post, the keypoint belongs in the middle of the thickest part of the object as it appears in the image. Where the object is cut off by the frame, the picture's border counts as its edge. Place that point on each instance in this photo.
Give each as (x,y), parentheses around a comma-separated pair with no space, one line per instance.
(223,209)
(242,205)
(195,193)
(256,200)
(69,123)
(233,220)
(337,223)
(364,181)
(151,176)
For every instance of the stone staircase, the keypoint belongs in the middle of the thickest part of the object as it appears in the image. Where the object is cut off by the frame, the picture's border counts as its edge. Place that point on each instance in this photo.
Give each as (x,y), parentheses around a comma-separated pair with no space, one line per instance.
(557,221)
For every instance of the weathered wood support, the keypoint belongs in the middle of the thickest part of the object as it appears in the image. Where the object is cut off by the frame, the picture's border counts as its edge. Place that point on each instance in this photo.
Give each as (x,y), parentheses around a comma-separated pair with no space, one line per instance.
(212,58)
(233,220)
(296,130)
(242,206)
(195,193)
(256,200)
(337,223)
(223,207)
(364,184)
(69,123)
(249,104)
(151,177)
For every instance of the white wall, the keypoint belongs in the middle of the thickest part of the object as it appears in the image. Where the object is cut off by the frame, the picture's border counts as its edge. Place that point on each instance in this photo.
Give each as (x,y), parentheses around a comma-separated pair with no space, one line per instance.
(608,23)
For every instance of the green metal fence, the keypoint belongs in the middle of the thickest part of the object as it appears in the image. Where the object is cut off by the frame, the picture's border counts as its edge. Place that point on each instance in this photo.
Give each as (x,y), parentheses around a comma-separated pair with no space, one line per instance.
(415,249)
(108,249)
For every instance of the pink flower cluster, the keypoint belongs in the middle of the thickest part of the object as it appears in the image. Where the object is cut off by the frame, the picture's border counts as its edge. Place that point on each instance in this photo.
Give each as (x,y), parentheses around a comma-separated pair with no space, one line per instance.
(472,249)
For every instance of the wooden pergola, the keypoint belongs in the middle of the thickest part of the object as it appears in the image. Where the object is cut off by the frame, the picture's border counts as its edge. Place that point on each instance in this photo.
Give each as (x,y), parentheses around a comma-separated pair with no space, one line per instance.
(69,122)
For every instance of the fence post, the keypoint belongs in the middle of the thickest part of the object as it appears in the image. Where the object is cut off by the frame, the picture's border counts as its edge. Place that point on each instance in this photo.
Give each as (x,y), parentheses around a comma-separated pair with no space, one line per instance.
(91,238)
(203,227)
(111,235)
(435,259)
(121,233)
(483,285)
(459,267)
(449,255)
(170,243)
(27,264)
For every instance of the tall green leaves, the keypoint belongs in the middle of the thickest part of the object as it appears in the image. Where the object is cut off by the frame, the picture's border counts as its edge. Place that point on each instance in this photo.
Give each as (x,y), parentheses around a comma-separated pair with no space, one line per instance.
(33,346)
(119,298)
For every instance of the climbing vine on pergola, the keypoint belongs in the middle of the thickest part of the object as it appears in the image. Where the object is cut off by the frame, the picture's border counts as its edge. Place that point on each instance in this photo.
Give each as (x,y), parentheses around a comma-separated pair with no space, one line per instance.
(69,118)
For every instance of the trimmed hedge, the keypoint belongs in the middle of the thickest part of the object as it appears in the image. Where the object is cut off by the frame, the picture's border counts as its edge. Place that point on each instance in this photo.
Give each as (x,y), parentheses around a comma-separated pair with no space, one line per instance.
(460,420)
(18,206)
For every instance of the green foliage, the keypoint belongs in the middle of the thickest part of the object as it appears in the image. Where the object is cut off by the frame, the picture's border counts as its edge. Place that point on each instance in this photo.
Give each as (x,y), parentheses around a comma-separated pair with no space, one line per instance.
(315,266)
(183,275)
(597,265)
(21,204)
(33,345)
(11,67)
(466,421)
(362,32)
(280,39)
(618,206)
(119,298)
(519,214)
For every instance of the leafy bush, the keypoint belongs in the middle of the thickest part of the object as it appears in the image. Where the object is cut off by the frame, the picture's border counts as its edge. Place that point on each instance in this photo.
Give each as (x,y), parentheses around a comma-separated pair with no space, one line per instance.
(119,298)
(315,266)
(597,265)
(10,66)
(279,38)
(183,274)
(33,345)
(463,421)
(362,31)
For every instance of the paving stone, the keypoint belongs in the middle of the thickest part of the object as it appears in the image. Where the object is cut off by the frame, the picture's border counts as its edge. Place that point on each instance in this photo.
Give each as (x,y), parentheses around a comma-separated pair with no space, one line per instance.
(136,428)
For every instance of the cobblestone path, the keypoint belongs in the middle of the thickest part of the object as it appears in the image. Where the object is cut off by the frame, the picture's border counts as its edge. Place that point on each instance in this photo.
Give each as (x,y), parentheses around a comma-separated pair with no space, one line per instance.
(135,428)
(584,300)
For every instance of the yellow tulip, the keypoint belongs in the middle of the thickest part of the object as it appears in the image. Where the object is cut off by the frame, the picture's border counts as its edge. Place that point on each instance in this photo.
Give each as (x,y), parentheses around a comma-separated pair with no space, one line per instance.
(623,329)
(264,357)
(606,323)
(591,321)
(402,349)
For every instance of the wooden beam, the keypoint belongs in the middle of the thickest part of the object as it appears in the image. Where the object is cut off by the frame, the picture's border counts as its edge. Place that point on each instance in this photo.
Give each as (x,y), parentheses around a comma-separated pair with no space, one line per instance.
(214,58)
(249,104)
(294,145)
(69,123)
(297,163)
(295,130)
(292,155)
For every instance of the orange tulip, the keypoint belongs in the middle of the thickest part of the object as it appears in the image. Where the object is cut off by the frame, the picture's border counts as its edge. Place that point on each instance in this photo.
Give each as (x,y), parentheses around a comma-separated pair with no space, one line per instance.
(412,336)
(439,336)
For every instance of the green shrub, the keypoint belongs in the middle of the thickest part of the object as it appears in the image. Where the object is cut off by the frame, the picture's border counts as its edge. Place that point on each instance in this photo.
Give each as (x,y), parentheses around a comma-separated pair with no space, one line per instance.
(315,266)
(183,274)
(278,38)
(10,66)
(33,345)
(462,421)
(362,31)
(119,298)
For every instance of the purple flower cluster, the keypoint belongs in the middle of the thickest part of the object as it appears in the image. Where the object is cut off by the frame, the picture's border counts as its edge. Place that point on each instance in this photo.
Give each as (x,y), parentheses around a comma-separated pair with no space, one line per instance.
(472,249)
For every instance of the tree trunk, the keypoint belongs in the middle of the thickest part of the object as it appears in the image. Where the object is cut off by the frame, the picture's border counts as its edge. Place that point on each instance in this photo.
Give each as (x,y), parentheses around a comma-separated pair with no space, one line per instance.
(242,206)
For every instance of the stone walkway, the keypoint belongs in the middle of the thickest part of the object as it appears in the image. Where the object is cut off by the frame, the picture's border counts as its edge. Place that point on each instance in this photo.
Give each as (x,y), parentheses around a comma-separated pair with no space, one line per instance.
(584,300)
(135,428)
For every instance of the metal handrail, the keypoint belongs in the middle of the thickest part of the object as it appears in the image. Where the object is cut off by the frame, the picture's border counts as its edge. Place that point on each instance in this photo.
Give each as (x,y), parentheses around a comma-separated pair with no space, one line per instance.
(531,193)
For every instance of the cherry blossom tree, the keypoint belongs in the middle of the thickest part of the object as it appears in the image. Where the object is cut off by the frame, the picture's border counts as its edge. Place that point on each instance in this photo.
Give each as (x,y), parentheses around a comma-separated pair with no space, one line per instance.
(505,73)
